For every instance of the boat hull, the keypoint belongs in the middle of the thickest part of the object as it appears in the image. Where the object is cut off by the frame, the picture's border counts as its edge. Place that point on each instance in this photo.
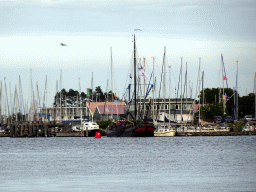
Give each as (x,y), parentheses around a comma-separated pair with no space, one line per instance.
(141,130)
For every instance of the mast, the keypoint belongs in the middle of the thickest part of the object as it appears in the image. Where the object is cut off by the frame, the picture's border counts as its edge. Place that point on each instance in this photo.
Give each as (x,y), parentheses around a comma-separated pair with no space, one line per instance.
(199,119)
(8,111)
(181,91)
(237,91)
(92,94)
(223,86)
(39,107)
(169,94)
(164,65)
(1,102)
(203,86)
(135,83)
(112,93)
(46,97)
(255,93)
(80,100)
(154,89)
(186,88)
(144,61)
(60,94)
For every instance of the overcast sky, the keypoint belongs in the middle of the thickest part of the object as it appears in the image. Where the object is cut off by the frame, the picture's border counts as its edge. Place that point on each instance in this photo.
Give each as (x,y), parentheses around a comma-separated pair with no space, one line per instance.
(32,30)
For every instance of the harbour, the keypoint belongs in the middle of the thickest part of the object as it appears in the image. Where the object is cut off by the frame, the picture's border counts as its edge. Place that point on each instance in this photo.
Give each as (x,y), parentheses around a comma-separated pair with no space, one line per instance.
(40,129)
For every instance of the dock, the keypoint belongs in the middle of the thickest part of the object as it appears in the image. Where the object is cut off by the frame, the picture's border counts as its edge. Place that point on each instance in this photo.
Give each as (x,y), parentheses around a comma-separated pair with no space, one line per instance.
(34,129)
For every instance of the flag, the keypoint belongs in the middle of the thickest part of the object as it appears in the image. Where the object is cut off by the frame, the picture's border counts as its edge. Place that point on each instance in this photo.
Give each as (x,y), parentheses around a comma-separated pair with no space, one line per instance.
(225,78)
(226,96)
(88,92)
(114,95)
(142,73)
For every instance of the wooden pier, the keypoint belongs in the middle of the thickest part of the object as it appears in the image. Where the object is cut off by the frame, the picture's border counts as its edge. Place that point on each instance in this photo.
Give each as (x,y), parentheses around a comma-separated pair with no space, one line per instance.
(34,129)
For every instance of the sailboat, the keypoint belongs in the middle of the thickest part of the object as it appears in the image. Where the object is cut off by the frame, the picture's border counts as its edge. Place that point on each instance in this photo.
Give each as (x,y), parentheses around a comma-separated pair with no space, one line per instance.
(165,129)
(134,128)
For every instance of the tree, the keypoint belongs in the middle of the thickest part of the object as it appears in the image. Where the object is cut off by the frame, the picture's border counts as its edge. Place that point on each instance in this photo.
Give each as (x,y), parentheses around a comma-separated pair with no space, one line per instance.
(246,105)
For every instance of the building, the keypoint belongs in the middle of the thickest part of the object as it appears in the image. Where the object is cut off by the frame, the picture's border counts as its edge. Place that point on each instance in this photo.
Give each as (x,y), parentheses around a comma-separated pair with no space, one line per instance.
(92,111)
(169,108)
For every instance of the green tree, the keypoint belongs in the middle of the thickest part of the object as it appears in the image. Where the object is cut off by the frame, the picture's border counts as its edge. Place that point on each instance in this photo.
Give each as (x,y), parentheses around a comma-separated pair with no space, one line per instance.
(246,105)
(213,98)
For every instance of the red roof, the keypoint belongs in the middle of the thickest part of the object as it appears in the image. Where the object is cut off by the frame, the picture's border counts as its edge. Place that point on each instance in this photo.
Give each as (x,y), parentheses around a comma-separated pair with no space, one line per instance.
(93,105)
(111,109)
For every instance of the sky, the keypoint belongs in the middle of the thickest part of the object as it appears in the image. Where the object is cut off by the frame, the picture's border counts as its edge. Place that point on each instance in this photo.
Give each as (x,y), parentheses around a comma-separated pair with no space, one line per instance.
(31,33)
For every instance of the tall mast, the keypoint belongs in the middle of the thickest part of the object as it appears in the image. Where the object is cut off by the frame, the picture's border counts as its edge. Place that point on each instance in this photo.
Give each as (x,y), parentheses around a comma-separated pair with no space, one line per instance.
(169,93)
(223,97)
(1,102)
(21,100)
(112,92)
(144,61)
(199,121)
(186,85)
(181,90)
(92,93)
(154,89)
(39,107)
(237,91)
(46,97)
(111,73)
(203,86)
(80,100)
(255,93)
(56,113)
(60,94)
(135,83)
(8,111)
(164,65)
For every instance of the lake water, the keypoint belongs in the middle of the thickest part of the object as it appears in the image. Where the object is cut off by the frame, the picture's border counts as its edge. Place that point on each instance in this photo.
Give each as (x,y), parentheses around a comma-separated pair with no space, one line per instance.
(128,164)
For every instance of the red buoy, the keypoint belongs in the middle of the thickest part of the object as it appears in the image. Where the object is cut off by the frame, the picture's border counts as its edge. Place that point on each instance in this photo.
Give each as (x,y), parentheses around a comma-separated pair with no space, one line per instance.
(97,135)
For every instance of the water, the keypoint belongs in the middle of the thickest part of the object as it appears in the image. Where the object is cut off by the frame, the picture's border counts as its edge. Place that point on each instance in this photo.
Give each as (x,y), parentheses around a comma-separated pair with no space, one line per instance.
(128,164)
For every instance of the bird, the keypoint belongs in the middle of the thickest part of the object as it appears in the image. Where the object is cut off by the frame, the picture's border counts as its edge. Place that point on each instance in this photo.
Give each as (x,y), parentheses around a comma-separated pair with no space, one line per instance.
(62,44)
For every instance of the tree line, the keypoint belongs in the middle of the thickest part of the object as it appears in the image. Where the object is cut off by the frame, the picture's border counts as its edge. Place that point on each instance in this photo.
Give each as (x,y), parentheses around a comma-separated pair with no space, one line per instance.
(213,98)
(73,98)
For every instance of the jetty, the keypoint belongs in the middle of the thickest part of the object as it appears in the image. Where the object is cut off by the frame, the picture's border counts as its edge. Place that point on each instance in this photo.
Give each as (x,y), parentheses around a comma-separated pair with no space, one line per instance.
(35,129)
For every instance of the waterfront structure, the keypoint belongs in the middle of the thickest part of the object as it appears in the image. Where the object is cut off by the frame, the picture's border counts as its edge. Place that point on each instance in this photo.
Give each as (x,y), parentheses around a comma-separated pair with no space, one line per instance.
(93,111)
(179,111)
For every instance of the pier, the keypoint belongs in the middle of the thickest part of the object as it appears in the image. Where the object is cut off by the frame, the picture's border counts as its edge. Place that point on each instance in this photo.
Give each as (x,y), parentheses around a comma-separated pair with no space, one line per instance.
(35,129)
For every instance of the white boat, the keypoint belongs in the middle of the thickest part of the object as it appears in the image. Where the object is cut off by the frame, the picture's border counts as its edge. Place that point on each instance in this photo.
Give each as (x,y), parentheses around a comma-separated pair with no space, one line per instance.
(90,126)
(164,130)
(249,126)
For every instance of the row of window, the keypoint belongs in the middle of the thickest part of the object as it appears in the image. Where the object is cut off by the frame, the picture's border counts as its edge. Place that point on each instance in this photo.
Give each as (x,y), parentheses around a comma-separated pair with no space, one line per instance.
(166,107)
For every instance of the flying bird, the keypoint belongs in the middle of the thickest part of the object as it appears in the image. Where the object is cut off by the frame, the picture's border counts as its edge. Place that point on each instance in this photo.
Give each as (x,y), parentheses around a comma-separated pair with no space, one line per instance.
(62,44)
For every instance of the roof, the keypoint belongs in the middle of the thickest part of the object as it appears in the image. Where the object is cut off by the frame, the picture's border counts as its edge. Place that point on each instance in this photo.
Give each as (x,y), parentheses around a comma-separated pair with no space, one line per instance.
(92,105)
(112,109)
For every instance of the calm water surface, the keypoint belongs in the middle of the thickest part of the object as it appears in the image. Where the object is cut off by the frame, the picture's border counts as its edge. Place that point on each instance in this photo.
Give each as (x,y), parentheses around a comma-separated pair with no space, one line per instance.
(128,164)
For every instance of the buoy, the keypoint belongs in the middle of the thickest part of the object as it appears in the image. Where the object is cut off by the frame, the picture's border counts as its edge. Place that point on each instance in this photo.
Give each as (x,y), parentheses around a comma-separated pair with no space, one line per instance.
(97,135)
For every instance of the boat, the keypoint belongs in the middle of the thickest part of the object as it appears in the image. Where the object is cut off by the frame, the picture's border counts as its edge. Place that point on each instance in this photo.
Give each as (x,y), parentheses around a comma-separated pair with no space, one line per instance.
(135,128)
(90,127)
(130,129)
(164,130)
